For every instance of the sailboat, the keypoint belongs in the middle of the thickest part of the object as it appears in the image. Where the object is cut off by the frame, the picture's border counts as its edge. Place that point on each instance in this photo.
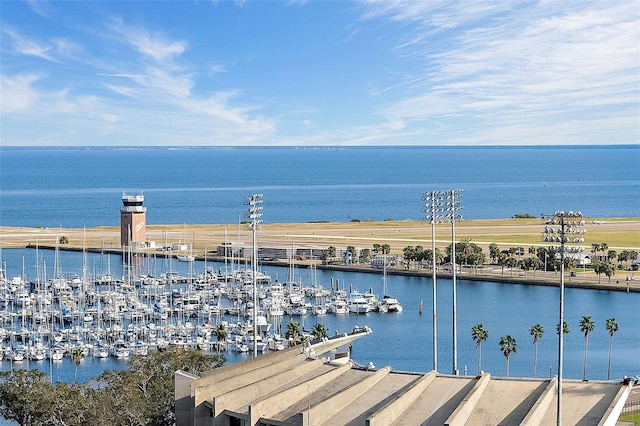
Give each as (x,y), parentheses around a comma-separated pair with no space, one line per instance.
(184,257)
(388,303)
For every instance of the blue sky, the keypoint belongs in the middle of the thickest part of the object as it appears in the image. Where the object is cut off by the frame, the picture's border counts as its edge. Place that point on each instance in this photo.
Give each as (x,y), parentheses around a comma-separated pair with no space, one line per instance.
(222,73)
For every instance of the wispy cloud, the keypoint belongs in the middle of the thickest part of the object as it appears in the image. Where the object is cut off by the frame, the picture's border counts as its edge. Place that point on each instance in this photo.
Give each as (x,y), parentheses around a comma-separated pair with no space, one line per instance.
(517,64)
(480,72)
(26,46)
(18,93)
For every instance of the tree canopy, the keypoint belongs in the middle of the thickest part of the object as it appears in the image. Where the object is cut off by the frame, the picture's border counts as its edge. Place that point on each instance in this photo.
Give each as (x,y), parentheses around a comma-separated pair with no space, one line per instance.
(143,394)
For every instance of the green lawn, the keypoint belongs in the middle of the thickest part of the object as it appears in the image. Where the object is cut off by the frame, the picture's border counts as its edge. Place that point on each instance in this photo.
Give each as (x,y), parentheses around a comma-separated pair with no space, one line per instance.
(635,418)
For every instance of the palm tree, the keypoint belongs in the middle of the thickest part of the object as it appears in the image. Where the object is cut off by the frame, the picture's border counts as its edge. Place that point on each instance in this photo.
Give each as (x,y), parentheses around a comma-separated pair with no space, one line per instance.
(494,252)
(586,326)
(319,331)
(612,326)
(565,328)
(221,334)
(508,345)
(293,331)
(604,247)
(77,354)
(536,331)
(479,334)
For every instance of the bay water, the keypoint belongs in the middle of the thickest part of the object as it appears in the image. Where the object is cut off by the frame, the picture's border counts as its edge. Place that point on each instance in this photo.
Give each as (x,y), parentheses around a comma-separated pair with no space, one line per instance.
(76,187)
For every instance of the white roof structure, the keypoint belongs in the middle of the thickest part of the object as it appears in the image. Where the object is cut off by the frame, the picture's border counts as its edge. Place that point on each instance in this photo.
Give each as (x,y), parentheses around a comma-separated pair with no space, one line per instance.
(299,387)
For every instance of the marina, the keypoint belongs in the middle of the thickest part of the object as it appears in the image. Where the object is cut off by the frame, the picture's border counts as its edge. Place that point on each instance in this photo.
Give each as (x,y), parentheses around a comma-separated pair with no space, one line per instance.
(56,315)
(48,315)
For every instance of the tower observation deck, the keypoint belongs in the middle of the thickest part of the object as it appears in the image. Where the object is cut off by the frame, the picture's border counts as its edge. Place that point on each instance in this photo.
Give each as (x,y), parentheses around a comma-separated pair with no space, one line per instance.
(133,220)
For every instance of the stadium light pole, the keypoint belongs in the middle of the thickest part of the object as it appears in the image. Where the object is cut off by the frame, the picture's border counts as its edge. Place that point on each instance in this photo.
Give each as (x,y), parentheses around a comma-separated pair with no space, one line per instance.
(254,213)
(442,207)
(454,205)
(434,213)
(563,227)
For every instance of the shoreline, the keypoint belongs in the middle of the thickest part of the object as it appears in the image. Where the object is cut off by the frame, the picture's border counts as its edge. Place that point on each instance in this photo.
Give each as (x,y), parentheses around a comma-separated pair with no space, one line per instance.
(539,278)
(619,234)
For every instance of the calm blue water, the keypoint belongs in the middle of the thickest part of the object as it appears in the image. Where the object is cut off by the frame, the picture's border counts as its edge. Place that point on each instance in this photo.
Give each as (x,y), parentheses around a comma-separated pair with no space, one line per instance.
(78,187)
(404,341)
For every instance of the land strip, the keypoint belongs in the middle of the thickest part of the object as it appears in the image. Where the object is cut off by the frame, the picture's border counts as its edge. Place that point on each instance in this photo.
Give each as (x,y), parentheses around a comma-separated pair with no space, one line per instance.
(618,233)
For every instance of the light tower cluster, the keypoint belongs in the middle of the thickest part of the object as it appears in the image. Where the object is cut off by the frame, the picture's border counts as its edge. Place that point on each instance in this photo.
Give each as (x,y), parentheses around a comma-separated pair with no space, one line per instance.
(565,228)
(254,213)
(443,207)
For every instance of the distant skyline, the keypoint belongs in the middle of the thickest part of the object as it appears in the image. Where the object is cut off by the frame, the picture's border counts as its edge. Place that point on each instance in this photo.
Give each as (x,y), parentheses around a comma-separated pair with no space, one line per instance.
(315,73)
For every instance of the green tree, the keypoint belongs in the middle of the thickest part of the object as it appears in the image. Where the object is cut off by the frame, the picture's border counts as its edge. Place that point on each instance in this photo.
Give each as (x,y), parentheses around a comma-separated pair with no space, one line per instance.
(624,257)
(612,326)
(77,354)
(479,334)
(476,260)
(536,331)
(63,240)
(144,392)
(609,270)
(221,334)
(502,260)
(494,252)
(409,254)
(365,255)
(319,331)
(329,252)
(293,331)
(606,268)
(508,346)
(29,398)
(586,327)
(565,328)
(511,262)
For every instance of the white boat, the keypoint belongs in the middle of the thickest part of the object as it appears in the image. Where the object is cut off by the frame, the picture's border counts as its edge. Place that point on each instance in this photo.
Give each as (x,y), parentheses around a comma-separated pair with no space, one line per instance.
(358,304)
(186,257)
(389,304)
(56,353)
(338,307)
(120,350)
(100,351)
(319,310)
(37,353)
(15,355)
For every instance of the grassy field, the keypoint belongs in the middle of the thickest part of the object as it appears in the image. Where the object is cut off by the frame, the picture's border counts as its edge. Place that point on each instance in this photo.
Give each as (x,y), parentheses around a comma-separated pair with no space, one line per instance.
(619,234)
(631,418)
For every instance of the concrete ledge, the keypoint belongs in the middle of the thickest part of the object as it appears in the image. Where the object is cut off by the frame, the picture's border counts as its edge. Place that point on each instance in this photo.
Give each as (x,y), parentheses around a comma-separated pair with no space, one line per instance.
(540,407)
(460,416)
(323,411)
(393,409)
(610,418)
(252,391)
(269,407)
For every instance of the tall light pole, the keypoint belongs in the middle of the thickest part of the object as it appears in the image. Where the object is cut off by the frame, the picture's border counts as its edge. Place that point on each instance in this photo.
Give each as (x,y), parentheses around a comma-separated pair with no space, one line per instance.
(564,228)
(442,207)
(254,213)
(434,210)
(454,205)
